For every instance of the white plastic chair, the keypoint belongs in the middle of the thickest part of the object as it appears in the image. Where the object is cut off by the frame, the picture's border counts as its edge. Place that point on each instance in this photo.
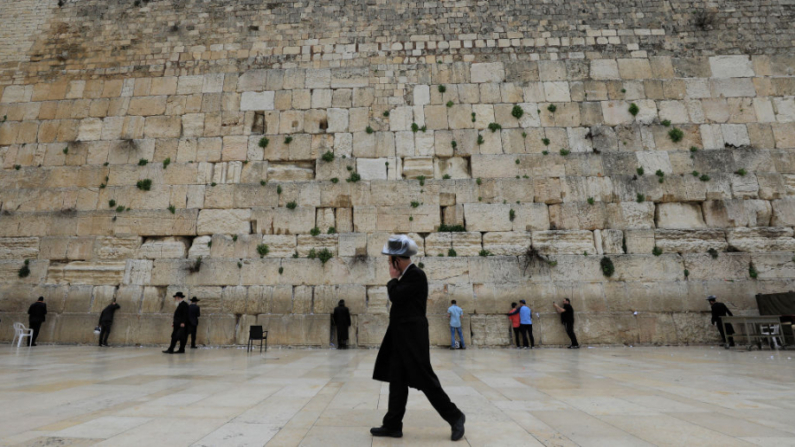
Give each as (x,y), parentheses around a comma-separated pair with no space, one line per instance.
(20,331)
(772,329)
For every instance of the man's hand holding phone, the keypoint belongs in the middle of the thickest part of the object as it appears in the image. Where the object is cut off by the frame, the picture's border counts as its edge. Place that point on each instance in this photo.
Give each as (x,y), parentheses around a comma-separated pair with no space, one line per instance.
(394,271)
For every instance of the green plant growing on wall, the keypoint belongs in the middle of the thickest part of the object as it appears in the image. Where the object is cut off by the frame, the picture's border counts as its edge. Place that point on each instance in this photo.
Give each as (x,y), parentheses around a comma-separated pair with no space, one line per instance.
(421,179)
(24,271)
(335,180)
(442,89)
(552,108)
(656,251)
(454,144)
(704,178)
(324,255)
(263,142)
(354,177)
(423,128)
(451,228)
(331,230)
(752,271)
(111,203)
(480,140)
(66,150)
(234,238)
(450,104)
(451,253)
(666,123)
(144,185)
(564,152)
(473,117)
(640,198)
(607,266)
(314,231)
(263,182)
(544,152)
(695,173)
(590,201)
(512,214)
(16,167)
(421,265)
(328,156)
(415,204)
(369,130)
(712,252)
(263,250)
(676,135)
(741,172)
(446,177)
(414,127)
(143,162)
(517,111)
(386,113)
(693,149)
(640,170)
(213,184)
(166,162)
(687,273)
(281,270)
(196,265)
(278,189)
(120,209)
(291,205)
(634,109)
(479,181)
(545,141)
(288,140)
(484,253)
(173,209)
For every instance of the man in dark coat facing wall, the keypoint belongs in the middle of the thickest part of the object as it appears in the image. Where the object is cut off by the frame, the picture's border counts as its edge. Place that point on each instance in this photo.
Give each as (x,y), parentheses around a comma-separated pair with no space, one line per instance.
(342,320)
(404,359)
(180,332)
(36,316)
(106,321)
(194,312)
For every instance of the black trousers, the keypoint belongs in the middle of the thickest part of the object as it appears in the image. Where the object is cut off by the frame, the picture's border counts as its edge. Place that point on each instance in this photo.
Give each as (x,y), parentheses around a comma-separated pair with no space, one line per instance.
(192,332)
(104,332)
(730,333)
(178,334)
(516,331)
(570,332)
(36,326)
(399,395)
(527,329)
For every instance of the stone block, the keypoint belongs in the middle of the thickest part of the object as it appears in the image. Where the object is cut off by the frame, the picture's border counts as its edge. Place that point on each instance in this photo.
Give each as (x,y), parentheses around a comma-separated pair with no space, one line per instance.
(224,221)
(690,241)
(168,247)
(679,216)
(19,248)
(731,67)
(564,242)
(761,239)
(81,272)
(737,213)
(487,72)
(512,243)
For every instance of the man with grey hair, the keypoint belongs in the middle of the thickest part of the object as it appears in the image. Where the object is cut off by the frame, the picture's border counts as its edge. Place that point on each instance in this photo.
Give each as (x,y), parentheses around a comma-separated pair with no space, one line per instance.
(404,359)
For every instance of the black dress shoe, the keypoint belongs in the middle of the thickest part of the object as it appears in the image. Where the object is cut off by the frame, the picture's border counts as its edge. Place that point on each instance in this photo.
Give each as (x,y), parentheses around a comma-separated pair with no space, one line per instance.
(458,428)
(383,431)
(168,351)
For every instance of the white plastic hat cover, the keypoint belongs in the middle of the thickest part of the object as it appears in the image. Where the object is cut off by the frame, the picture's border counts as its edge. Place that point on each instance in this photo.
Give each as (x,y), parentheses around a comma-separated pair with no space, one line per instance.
(400,246)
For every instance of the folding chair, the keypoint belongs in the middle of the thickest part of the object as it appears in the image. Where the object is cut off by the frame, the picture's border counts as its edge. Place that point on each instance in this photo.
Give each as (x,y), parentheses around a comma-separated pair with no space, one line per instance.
(256,333)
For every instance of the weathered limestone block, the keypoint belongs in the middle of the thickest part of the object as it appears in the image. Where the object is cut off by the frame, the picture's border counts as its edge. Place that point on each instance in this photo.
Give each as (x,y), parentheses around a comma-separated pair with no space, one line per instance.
(415,167)
(291,172)
(512,243)
(371,328)
(612,241)
(727,266)
(648,267)
(297,330)
(578,216)
(168,247)
(630,215)
(19,248)
(690,241)
(466,244)
(424,218)
(487,72)
(773,265)
(438,243)
(224,221)
(731,66)
(306,243)
(679,216)
(783,213)
(79,272)
(763,239)
(564,242)
(284,220)
(200,247)
(639,241)
(455,168)
(156,223)
(737,213)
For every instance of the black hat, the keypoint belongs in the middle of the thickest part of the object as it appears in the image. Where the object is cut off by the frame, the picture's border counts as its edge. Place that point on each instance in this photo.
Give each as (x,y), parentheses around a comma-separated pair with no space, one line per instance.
(711,298)
(179,295)
(194,300)
(341,303)
(41,298)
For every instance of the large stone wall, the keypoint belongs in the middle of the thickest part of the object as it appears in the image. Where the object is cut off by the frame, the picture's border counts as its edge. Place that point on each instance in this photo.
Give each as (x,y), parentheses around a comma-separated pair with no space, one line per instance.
(419,101)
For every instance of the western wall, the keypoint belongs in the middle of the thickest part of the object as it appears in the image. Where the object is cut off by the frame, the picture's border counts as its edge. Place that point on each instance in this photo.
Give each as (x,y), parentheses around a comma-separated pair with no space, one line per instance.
(257,155)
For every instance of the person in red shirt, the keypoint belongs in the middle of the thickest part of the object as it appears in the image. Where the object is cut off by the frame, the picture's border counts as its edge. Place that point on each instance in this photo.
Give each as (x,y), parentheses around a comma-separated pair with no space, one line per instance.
(515,322)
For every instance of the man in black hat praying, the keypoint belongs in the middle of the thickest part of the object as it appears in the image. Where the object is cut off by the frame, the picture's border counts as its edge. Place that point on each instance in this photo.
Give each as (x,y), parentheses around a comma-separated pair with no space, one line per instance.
(194,312)
(342,320)
(180,332)
(404,359)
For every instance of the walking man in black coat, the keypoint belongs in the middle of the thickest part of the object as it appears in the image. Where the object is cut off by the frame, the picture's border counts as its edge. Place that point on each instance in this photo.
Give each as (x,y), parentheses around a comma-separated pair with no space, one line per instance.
(720,310)
(194,312)
(106,321)
(36,316)
(180,332)
(404,359)
(342,320)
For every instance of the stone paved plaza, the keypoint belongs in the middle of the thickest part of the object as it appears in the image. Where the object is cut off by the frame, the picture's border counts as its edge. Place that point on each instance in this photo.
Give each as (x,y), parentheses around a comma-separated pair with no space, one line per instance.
(617,396)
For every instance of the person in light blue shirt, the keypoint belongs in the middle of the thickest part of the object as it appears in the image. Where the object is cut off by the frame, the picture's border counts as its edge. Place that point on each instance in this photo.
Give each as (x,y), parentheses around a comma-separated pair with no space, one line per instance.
(455,313)
(526,324)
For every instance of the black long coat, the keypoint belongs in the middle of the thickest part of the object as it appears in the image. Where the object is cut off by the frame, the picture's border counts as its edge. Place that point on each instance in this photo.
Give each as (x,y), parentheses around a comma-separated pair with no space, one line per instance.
(181,314)
(720,310)
(106,317)
(37,312)
(405,352)
(342,319)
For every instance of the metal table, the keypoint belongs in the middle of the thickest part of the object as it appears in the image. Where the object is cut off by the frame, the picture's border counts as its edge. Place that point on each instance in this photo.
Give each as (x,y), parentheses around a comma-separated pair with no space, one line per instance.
(754,328)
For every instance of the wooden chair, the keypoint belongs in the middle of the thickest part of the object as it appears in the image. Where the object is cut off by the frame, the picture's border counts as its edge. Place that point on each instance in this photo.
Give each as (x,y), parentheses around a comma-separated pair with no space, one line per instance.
(256,333)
